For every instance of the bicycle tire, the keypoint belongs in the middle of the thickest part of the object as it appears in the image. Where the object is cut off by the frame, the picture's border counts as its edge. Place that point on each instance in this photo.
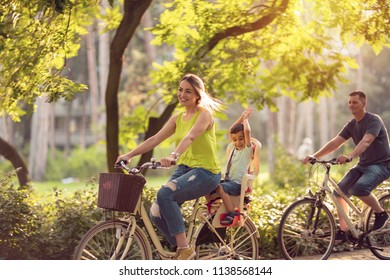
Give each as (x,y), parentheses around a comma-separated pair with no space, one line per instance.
(379,244)
(241,242)
(101,241)
(295,233)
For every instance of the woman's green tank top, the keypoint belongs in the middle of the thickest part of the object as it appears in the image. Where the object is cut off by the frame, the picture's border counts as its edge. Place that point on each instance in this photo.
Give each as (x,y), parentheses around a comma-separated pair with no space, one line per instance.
(201,152)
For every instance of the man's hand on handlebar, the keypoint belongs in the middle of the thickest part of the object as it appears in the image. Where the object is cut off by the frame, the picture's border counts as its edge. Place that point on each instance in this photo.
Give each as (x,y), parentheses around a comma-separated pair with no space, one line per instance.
(308,159)
(342,159)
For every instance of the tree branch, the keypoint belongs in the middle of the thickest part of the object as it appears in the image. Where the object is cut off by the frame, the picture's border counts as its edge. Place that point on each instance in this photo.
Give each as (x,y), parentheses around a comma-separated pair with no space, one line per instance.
(246,28)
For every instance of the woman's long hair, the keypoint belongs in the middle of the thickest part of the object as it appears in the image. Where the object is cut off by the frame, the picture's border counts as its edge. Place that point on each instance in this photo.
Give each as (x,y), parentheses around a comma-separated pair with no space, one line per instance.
(205,100)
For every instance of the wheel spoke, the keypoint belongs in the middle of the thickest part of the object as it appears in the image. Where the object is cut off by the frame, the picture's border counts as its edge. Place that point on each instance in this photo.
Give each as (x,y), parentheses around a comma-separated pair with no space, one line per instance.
(108,240)
(240,242)
(298,239)
(379,243)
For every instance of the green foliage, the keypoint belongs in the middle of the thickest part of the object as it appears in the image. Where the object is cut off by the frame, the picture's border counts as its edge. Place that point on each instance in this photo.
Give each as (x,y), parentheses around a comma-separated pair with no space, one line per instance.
(82,163)
(19,224)
(297,54)
(270,198)
(36,38)
(50,228)
(67,221)
(132,125)
(288,170)
(266,209)
(33,228)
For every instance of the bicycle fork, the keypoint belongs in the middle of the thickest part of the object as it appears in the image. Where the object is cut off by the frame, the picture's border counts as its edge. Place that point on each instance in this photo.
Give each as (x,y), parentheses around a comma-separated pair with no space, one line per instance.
(123,234)
(315,215)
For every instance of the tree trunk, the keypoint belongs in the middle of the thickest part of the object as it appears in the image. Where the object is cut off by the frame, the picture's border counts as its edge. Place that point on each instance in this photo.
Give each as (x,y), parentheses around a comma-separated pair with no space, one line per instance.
(11,154)
(92,81)
(271,133)
(299,125)
(155,124)
(133,11)
(324,121)
(68,118)
(84,123)
(291,125)
(39,140)
(146,22)
(52,133)
(103,61)
(281,117)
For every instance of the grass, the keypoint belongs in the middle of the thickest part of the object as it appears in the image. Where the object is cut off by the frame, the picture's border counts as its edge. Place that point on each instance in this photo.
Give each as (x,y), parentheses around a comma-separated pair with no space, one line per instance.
(45,188)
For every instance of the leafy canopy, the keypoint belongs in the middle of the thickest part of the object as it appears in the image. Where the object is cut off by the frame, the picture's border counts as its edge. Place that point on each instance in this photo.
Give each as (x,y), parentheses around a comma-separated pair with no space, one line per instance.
(36,38)
(256,50)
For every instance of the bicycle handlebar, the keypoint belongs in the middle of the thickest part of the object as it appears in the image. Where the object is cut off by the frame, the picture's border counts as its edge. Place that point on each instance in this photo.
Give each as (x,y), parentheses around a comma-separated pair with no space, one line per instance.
(333,161)
(147,165)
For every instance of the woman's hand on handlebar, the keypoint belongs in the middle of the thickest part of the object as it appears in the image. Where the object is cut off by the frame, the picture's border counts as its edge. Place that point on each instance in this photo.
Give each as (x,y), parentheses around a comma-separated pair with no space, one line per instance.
(123,159)
(168,161)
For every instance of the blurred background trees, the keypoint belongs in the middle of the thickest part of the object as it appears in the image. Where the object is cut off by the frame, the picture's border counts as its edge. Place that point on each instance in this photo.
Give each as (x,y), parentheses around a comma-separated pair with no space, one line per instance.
(76,74)
(84,80)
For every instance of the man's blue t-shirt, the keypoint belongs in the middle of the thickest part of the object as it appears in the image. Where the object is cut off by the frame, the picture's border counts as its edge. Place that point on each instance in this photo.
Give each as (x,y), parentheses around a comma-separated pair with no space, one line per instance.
(379,150)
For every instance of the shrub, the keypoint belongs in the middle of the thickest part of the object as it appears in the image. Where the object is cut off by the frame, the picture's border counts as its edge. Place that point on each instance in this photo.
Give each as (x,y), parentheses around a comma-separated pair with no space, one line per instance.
(50,228)
(20,225)
(36,228)
(68,219)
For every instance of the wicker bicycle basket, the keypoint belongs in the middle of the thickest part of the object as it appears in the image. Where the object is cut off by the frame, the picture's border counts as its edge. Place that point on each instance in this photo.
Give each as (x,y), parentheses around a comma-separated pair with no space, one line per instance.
(119,191)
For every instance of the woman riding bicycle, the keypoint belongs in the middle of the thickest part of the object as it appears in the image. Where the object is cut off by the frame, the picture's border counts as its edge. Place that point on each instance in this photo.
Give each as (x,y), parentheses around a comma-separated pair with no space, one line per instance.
(198,168)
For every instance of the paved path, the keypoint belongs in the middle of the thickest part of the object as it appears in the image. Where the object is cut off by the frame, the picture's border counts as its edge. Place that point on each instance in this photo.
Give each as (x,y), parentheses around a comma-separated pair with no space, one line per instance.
(360,254)
(347,253)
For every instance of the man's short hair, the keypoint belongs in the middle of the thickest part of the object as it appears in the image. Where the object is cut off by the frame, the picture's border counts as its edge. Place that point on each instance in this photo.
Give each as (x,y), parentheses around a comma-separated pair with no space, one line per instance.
(361,94)
(237,128)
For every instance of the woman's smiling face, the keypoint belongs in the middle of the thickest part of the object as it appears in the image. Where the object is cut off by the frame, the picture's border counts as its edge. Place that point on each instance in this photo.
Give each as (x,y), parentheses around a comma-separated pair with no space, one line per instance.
(186,94)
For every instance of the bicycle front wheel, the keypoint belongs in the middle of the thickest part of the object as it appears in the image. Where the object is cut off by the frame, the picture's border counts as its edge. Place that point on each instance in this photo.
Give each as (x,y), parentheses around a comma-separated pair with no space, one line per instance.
(240,242)
(379,243)
(306,231)
(109,240)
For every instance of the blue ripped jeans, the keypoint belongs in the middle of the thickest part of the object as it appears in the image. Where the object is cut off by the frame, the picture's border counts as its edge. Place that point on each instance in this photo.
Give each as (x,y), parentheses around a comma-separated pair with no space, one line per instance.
(191,183)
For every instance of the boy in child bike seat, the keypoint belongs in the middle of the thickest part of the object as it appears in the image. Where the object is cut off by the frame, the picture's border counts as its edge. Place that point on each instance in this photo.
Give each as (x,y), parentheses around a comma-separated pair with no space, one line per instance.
(198,169)
(370,136)
(238,161)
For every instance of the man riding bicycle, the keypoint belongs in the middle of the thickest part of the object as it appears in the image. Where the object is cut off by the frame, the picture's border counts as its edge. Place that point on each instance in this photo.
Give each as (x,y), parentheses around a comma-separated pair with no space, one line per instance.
(372,147)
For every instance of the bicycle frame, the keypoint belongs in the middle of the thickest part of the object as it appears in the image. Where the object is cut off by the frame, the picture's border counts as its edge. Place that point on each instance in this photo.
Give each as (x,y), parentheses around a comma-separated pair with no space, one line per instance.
(330,186)
(198,220)
(150,230)
(361,213)
(307,229)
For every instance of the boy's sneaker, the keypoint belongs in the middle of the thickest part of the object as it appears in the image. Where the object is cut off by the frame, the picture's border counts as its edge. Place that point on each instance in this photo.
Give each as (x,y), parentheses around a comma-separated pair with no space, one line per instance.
(185,253)
(228,220)
(380,220)
(341,235)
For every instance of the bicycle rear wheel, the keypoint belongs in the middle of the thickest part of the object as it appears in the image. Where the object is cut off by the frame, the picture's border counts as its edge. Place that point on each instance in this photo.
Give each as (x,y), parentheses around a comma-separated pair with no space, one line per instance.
(301,236)
(241,242)
(379,244)
(108,240)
